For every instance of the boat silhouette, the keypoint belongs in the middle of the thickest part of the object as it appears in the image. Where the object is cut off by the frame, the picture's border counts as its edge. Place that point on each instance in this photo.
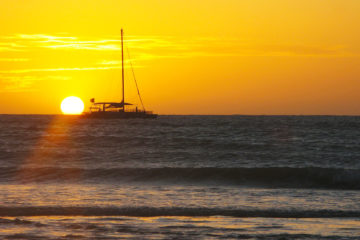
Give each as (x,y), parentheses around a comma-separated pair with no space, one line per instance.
(118,109)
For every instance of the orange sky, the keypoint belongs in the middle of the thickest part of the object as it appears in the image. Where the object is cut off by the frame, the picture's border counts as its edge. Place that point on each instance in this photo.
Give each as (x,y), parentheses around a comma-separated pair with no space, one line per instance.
(190,57)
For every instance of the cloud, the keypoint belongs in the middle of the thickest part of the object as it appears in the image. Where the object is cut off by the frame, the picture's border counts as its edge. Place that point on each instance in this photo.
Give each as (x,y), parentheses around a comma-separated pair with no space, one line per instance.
(31,41)
(10,46)
(44,54)
(87,46)
(16,84)
(40,37)
(14,59)
(110,62)
(154,47)
(142,49)
(14,71)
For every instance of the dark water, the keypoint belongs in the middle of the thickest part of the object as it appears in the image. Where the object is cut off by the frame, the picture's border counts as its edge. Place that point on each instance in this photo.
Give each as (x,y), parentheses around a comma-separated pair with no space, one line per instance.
(180,177)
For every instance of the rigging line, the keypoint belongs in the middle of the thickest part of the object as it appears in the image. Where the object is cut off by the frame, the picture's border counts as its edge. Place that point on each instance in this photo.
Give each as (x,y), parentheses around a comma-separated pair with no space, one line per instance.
(133,73)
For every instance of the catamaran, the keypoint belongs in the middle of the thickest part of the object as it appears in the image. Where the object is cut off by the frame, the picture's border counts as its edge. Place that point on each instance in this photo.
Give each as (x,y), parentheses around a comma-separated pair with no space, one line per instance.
(118,109)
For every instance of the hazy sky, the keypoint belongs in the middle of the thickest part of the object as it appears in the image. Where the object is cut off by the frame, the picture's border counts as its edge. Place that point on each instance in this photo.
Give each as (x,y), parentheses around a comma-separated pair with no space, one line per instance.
(190,57)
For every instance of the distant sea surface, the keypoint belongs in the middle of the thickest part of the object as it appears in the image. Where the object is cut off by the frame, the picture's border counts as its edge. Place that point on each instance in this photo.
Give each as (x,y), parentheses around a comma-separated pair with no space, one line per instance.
(180,177)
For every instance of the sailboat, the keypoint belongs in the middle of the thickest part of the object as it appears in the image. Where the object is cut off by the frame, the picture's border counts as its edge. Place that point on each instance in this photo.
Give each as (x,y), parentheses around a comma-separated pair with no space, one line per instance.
(118,109)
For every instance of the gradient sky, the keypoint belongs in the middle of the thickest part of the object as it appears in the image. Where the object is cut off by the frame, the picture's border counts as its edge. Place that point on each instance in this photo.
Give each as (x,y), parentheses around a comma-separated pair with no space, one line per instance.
(190,57)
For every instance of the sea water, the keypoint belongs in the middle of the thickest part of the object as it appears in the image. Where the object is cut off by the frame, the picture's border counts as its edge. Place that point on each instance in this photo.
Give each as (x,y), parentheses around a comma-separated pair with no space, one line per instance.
(180,177)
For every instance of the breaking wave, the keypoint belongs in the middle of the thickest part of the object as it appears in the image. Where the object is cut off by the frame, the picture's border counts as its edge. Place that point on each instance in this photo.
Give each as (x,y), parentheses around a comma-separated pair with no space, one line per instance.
(328,178)
(171,211)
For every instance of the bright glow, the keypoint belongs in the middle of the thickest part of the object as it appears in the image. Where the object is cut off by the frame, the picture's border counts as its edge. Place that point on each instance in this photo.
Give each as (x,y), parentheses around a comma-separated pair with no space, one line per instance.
(72,105)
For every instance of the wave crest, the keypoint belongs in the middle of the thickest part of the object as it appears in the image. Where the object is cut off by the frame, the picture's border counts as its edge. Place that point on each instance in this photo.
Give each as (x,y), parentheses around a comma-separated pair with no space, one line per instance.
(329,178)
(171,211)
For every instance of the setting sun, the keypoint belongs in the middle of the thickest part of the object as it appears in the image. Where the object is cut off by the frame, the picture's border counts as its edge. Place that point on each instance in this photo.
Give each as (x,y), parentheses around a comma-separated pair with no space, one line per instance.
(72,105)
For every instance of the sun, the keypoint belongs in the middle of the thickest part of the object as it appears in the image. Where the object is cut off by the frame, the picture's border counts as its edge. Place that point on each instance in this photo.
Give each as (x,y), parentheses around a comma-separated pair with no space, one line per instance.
(72,105)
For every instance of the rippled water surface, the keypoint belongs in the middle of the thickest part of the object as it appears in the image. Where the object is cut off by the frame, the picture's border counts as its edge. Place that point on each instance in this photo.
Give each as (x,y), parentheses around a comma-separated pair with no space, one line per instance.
(210,177)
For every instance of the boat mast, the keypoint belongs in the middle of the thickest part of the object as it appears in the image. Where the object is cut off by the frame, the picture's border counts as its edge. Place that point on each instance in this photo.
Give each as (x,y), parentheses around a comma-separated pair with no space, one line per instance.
(122,69)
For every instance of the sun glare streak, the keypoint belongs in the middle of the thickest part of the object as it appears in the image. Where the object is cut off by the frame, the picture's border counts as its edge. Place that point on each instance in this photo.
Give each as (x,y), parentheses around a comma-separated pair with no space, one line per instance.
(41,161)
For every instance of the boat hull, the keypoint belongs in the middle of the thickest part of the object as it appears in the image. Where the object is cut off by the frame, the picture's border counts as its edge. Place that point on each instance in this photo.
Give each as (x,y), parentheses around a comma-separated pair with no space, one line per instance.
(121,115)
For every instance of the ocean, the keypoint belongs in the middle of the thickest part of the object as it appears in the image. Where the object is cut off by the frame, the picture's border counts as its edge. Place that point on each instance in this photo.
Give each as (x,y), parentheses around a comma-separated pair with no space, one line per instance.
(180,177)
